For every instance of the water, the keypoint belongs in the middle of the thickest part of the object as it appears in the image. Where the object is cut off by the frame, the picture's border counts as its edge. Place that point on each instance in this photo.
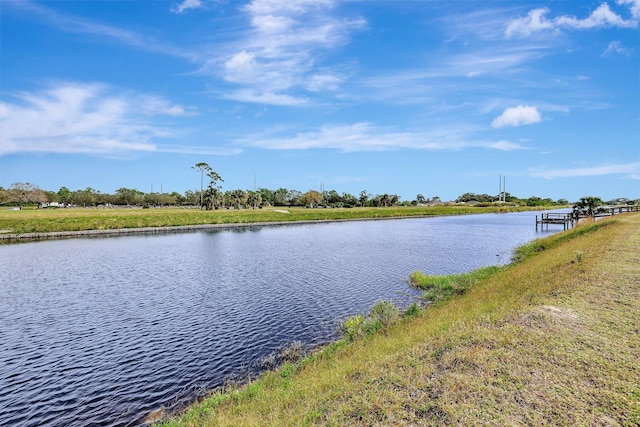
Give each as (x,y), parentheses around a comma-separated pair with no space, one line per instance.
(104,331)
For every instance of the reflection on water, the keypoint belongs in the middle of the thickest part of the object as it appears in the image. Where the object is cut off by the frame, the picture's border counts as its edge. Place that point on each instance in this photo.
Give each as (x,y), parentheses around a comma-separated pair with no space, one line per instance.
(106,331)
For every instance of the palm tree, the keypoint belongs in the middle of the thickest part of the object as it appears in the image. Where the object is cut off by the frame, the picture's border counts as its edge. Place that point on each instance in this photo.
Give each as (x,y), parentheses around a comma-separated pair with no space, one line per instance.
(589,204)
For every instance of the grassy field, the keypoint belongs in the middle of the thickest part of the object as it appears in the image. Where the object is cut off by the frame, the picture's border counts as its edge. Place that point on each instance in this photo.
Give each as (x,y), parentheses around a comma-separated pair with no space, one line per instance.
(553,339)
(56,220)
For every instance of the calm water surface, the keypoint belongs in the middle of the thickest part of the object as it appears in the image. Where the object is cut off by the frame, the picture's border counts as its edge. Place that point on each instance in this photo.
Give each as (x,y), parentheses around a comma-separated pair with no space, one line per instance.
(105,331)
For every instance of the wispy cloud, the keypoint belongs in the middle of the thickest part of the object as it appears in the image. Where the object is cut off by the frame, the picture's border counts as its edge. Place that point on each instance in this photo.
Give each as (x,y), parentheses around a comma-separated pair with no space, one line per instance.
(616,48)
(602,17)
(279,52)
(364,136)
(266,98)
(186,5)
(517,116)
(81,25)
(631,170)
(85,118)
(450,77)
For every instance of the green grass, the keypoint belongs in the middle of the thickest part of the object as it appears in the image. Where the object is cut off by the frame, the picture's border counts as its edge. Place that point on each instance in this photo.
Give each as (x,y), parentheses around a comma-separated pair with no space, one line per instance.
(442,288)
(550,340)
(57,220)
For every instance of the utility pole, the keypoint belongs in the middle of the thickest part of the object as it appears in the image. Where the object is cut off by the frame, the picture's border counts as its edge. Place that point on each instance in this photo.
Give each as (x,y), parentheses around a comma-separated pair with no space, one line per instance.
(504,188)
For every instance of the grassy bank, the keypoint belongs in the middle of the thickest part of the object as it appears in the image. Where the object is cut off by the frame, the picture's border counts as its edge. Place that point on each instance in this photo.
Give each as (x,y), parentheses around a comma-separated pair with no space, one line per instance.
(59,220)
(553,339)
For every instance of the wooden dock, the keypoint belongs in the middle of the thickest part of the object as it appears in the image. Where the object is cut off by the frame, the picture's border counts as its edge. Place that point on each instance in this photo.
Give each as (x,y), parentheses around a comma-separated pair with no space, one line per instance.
(570,219)
(603,211)
(567,220)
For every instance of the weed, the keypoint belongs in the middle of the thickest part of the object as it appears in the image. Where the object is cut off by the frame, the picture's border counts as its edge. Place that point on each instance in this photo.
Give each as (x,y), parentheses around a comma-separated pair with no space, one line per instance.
(412,311)
(292,352)
(384,312)
(382,315)
(353,327)
(268,362)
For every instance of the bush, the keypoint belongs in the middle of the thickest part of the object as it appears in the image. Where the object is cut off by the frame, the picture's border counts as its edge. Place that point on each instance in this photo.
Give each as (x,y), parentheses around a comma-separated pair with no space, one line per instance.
(381,315)
(353,327)
(412,311)
(384,312)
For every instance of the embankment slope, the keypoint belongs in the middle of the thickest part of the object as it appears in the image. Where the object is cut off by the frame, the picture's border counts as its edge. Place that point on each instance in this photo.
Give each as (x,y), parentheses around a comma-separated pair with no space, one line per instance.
(551,340)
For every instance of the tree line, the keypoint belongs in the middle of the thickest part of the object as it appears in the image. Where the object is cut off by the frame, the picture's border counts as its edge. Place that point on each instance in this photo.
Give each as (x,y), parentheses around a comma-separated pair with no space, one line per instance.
(211,196)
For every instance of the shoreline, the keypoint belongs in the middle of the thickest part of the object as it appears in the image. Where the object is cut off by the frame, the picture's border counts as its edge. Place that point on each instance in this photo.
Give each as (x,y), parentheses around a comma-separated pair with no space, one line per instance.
(36,226)
(112,232)
(8,237)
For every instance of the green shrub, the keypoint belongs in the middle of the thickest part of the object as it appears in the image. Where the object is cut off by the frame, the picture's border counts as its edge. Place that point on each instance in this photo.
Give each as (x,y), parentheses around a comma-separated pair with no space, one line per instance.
(353,327)
(381,315)
(413,310)
(384,312)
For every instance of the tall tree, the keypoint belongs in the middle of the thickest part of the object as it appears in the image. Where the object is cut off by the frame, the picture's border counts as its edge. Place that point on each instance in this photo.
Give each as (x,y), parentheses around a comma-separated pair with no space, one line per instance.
(84,197)
(203,168)
(129,196)
(364,197)
(26,193)
(281,197)
(254,198)
(213,198)
(349,200)
(214,177)
(238,198)
(267,196)
(65,195)
(311,198)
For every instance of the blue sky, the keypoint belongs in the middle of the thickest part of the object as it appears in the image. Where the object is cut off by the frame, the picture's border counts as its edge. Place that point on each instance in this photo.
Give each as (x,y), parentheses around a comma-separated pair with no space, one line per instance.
(432,97)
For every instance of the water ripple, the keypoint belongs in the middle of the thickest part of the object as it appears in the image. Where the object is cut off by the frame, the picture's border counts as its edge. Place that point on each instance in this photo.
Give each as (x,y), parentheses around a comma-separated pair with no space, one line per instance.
(106,331)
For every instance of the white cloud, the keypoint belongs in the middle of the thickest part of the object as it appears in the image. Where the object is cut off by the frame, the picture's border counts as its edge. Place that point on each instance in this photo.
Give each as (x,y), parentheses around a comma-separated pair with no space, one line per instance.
(83,118)
(279,53)
(535,21)
(504,146)
(186,5)
(241,67)
(631,170)
(319,82)
(634,7)
(364,136)
(268,98)
(602,17)
(270,7)
(516,116)
(616,48)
